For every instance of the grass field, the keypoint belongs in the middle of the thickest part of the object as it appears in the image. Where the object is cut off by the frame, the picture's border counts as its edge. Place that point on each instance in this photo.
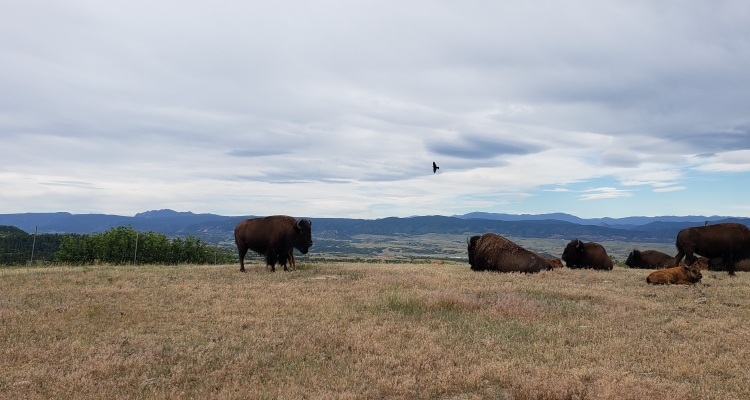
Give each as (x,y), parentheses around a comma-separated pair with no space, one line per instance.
(353,331)
(453,247)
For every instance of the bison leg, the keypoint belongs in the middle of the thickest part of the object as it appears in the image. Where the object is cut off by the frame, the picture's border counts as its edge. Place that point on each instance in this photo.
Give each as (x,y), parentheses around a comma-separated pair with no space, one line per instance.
(690,258)
(283,258)
(729,264)
(292,264)
(271,260)
(242,249)
(679,256)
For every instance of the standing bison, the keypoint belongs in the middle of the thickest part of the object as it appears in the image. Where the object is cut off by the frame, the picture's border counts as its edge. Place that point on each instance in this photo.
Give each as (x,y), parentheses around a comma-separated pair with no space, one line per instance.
(275,237)
(578,254)
(496,253)
(649,259)
(729,241)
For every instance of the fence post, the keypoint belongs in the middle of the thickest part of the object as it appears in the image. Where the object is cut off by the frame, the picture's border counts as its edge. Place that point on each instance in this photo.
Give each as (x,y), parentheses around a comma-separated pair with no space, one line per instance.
(135,255)
(33,245)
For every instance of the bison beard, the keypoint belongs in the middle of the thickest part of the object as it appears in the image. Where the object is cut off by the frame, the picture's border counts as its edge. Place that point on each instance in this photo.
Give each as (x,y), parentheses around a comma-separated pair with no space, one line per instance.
(275,237)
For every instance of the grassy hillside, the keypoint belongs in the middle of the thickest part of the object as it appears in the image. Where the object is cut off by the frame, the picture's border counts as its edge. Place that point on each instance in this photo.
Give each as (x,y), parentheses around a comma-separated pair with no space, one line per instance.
(369,331)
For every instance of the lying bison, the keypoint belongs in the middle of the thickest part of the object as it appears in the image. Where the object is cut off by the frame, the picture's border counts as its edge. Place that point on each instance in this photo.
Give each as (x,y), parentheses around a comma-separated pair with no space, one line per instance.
(682,275)
(495,253)
(717,264)
(578,254)
(554,262)
(703,262)
(649,259)
(728,241)
(275,237)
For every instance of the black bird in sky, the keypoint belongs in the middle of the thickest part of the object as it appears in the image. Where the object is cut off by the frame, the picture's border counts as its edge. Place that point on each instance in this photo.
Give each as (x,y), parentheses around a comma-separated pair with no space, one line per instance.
(434,167)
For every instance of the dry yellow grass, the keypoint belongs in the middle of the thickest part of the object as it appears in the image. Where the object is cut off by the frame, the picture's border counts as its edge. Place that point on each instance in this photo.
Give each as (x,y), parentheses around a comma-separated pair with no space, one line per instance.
(355,331)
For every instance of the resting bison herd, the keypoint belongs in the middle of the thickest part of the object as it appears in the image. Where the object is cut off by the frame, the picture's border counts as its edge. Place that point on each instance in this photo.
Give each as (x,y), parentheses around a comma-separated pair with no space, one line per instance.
(723,246)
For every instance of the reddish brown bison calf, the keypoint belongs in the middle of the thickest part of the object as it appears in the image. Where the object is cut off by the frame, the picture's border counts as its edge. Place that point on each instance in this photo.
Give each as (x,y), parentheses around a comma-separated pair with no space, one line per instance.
(682,275)
(554,262)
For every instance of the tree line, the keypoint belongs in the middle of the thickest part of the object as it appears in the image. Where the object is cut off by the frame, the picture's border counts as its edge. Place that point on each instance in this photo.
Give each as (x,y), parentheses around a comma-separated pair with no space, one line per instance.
(121,245)
(16,246)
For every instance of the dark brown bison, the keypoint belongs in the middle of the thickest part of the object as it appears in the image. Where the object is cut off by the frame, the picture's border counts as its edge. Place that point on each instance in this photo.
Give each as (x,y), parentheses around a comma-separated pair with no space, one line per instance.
(717,264)
(682,275)
(649,259)
(496,253)
(554,262)
(578,254)
(472,245)
(276,237)
(728,241)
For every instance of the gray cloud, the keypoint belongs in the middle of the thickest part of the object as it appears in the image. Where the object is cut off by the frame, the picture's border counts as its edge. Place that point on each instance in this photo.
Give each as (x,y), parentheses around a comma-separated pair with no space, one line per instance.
(85,185)
(473,147)
(620,159)
(256,152)
(707,143)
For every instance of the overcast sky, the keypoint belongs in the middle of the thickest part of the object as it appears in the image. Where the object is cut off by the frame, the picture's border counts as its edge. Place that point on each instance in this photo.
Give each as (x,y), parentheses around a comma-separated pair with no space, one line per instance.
(338,109)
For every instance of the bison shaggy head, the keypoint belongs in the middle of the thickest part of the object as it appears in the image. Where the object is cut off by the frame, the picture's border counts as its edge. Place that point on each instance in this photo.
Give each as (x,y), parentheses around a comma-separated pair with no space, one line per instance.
(554,262)
(303,235)
(702,263)
(471,245)
(693,273)
(573,252)
(633,258)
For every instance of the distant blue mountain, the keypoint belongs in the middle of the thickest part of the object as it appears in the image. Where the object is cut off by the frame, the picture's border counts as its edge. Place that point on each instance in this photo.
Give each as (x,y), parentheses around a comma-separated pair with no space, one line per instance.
(167,213)
(626,222)
(217,227)
(163,221)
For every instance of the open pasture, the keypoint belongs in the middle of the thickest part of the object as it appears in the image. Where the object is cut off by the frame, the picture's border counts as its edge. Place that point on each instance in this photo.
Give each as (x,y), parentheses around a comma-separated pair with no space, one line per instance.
(354,331)
(453,247)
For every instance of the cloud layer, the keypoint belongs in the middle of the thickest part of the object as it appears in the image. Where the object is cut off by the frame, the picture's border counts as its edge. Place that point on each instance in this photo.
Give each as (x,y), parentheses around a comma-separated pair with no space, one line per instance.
(339,108)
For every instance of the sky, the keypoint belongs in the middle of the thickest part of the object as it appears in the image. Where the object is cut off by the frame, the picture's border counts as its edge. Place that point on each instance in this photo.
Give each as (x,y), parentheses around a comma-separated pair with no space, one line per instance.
(338,108)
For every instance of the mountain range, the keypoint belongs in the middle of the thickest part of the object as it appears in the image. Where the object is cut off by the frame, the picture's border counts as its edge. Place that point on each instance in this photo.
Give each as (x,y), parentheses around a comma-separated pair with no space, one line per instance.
(215,227)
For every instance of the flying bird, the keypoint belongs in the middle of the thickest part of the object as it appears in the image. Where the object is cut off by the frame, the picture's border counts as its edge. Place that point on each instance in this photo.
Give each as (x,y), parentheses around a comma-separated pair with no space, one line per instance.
(434,167)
